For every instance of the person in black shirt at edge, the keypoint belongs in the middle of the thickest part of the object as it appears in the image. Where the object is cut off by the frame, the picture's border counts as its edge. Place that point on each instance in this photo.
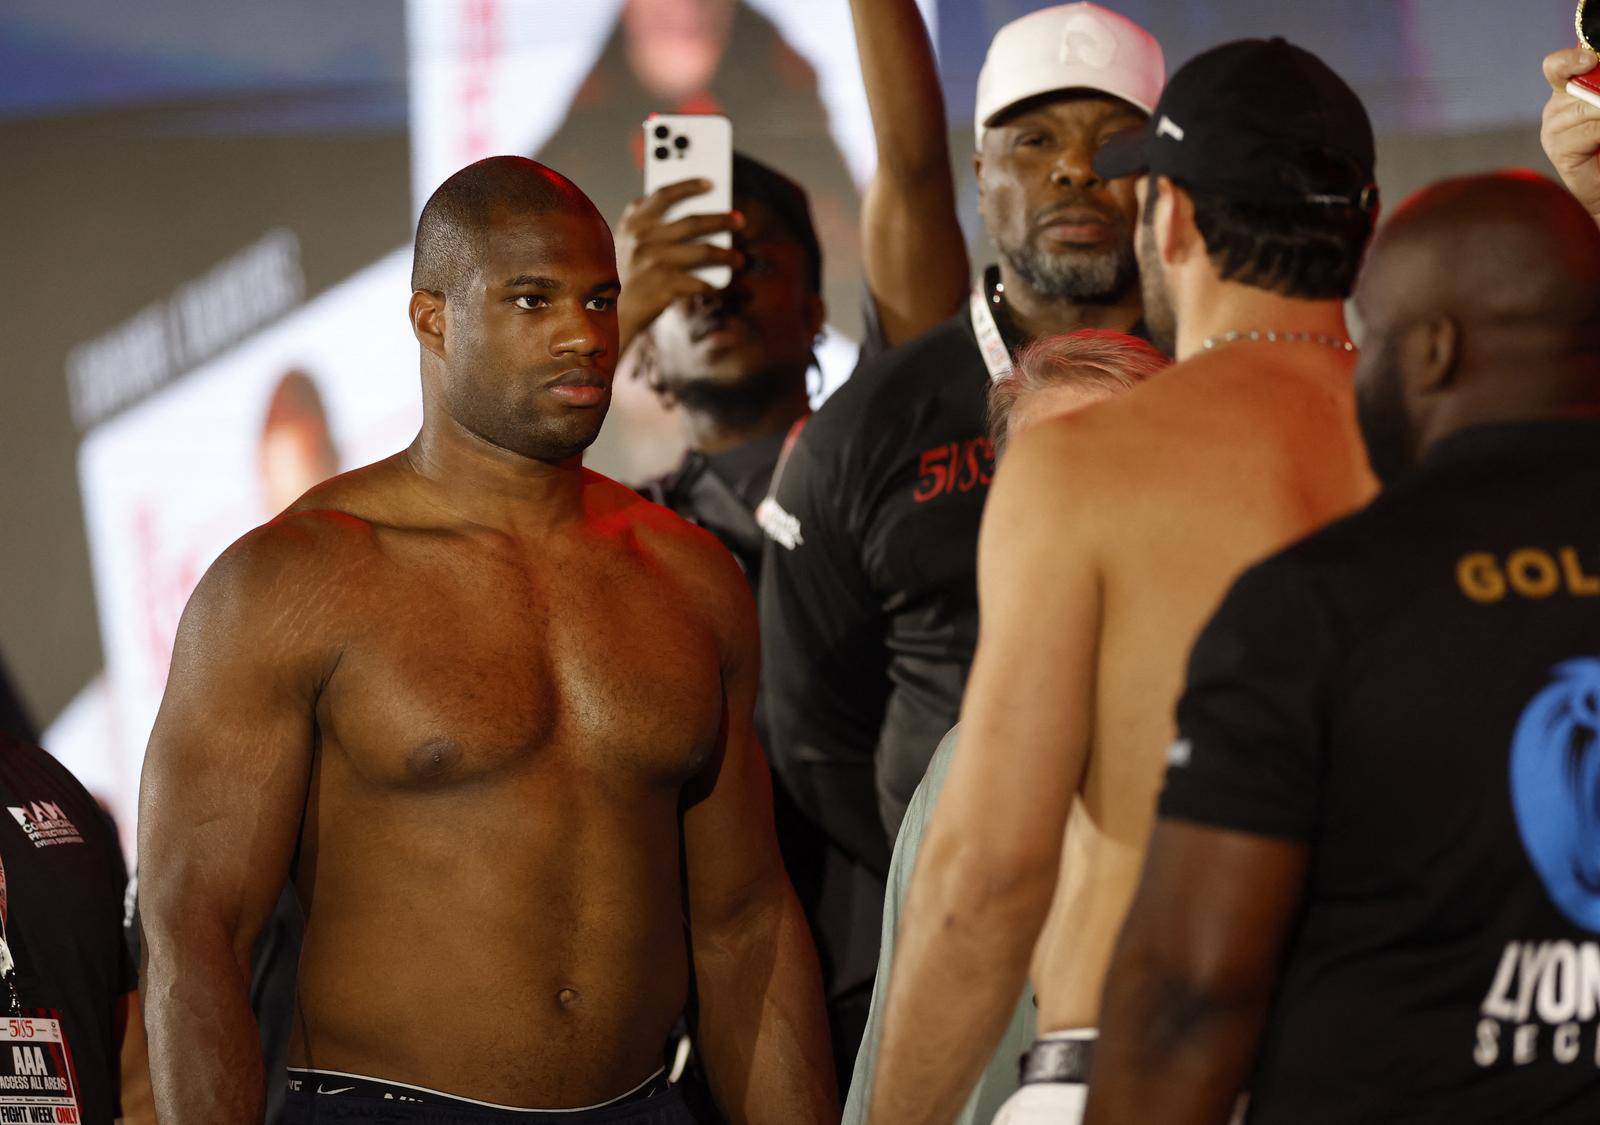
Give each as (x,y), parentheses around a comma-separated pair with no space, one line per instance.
(72,1042)
(1372,891)
(868,600)
(734,363)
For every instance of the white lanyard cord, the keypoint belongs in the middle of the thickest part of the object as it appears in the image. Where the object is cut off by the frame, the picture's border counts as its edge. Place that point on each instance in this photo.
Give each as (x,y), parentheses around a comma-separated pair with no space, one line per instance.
(991,345)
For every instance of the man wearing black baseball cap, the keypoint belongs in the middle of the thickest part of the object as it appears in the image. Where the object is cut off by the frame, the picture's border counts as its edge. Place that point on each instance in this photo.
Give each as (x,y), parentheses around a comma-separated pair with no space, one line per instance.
(1257,202)
(1259,130)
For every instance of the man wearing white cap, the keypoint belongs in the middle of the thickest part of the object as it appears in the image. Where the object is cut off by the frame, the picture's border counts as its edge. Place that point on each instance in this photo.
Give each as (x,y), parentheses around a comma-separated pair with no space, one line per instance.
(869,592)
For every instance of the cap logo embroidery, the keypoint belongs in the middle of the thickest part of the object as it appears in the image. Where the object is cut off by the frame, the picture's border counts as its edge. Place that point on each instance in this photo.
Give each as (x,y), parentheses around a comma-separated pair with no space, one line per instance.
(1167,127)
(1085,41)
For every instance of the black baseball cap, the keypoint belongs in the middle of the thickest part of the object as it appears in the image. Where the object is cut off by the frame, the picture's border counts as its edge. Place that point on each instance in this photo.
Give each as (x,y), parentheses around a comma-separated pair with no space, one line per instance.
(1257,120)
(755,180)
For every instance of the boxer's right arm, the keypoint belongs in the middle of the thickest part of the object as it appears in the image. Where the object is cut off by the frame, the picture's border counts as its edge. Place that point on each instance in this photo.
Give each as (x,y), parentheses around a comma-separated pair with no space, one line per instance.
(219,809)
(1570,130)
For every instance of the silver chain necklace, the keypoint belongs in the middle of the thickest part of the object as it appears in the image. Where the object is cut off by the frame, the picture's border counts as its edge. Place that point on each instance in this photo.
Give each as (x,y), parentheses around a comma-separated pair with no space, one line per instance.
(1257,336)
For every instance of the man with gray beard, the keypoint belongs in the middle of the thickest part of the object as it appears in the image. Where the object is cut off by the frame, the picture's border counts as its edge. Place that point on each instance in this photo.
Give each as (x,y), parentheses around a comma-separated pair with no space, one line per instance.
(869,594)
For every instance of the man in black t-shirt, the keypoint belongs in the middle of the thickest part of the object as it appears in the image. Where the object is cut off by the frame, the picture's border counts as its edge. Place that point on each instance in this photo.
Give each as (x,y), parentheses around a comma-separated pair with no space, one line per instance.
(869,598)
(1372,893)
(68,1009)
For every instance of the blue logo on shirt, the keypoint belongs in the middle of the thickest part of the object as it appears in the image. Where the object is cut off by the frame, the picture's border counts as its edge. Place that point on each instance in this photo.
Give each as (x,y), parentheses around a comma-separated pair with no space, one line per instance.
(1555,788)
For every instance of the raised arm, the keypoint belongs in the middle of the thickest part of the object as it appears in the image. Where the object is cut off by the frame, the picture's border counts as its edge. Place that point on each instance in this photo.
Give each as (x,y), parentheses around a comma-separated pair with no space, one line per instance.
(915,256)
(1570,130)
(219,808)
(763,1029)
(987,871)
(1192,976)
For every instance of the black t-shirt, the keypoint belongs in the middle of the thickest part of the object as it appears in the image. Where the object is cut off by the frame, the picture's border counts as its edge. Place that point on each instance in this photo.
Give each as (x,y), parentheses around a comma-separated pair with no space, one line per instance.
(63,966)
(869,603)
(720,491)
(1414,692)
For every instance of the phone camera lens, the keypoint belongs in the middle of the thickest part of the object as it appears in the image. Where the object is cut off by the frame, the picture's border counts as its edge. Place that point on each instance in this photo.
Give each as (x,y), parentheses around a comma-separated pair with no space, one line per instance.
(661,132)
(662,152)
(681,143)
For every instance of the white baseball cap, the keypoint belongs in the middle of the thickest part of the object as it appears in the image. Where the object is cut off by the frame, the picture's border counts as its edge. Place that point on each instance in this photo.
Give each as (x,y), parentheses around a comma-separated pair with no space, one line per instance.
(1069,47)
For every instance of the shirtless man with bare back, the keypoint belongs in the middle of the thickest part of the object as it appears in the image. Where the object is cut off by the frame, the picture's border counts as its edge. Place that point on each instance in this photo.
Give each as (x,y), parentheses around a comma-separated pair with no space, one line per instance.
(1108,538)
(491,712)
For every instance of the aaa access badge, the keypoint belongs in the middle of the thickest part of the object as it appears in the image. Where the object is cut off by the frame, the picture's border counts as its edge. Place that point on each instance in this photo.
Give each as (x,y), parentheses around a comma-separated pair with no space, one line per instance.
(36,1081)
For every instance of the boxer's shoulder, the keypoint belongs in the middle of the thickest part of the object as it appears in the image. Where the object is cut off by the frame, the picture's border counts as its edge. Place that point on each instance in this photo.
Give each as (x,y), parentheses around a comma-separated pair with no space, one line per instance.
(694,566)
(331,536)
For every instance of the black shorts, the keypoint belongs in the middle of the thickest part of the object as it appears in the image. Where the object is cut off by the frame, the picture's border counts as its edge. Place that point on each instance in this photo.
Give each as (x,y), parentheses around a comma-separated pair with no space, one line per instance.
(327,1096)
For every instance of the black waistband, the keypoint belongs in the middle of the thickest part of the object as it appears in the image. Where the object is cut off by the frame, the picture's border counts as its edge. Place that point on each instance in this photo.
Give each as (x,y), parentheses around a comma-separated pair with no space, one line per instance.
(329,1089)
(1057,1060)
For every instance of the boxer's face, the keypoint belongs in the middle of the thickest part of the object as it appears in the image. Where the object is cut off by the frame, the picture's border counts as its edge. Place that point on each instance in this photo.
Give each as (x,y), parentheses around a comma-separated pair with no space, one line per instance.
(1060,227)
(531,339)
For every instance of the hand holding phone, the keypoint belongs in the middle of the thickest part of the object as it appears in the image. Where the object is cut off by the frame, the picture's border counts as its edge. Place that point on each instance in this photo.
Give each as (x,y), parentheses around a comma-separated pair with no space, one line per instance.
(676,241)
(1587,86)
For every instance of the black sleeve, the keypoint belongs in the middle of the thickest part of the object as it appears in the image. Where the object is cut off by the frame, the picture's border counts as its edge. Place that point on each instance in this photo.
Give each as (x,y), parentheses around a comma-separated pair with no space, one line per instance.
(824,676)
(1249,753)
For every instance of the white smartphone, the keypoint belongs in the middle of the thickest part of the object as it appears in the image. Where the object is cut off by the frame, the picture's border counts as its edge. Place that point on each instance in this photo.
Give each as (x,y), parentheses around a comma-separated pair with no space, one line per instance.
(692,146)
(1584,93)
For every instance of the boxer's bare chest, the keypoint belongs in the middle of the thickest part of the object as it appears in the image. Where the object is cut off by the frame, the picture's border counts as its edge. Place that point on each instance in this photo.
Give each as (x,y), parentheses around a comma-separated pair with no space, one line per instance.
(468,658)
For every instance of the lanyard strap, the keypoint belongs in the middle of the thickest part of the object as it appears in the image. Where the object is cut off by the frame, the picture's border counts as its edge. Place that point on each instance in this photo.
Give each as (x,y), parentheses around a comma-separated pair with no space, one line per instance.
(991,345)
(770,516)
(783,457)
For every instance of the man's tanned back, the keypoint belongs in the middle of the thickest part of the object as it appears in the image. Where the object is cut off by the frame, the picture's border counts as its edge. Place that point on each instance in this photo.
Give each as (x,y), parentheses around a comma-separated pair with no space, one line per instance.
(1200,472)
